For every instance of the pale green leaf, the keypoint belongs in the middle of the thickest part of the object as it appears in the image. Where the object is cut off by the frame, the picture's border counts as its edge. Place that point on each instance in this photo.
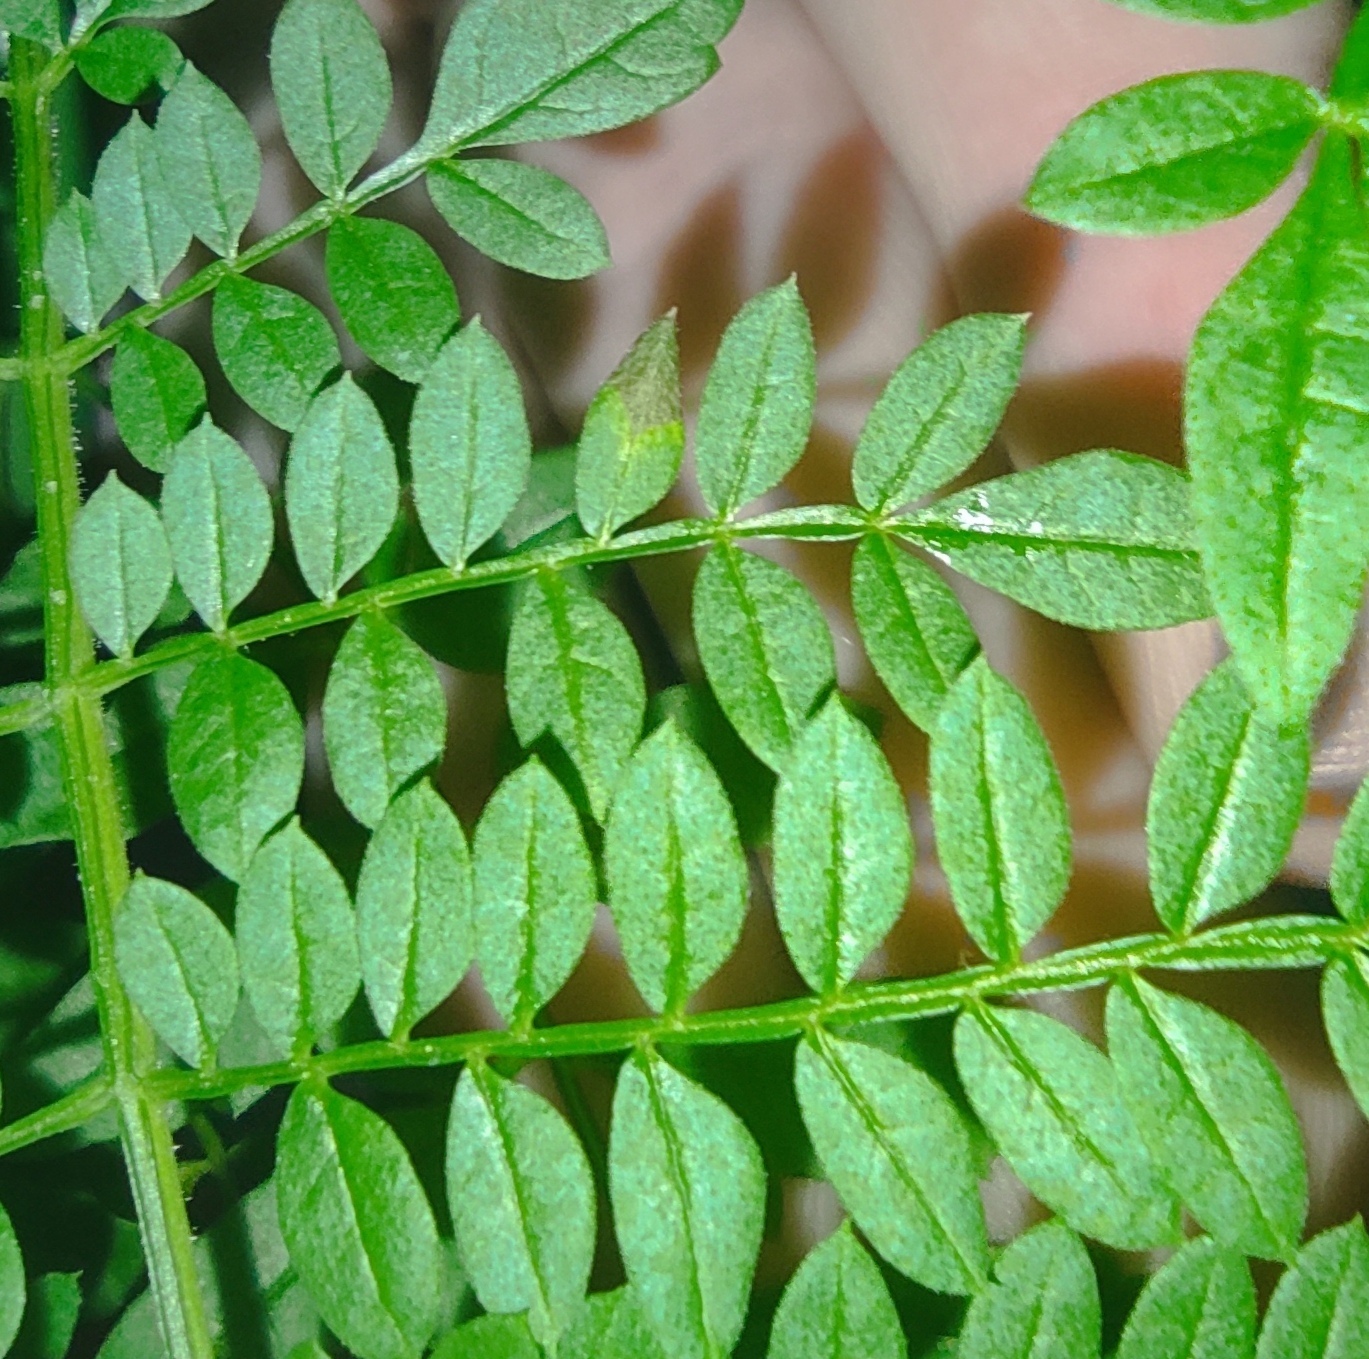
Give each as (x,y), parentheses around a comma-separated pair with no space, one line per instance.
(757,407)
(1345,1008)
(297,941)
(610,1326)
(126,65)
(341,487)
(490,1337)
(1099,540)
(1275,427)
(677,877)
(276,349)
(158,392)
(1320,1310)
(1212,1108)
(918,637)
(520,215)
(332,87)
(535,892)
(1350,864)
(688,1191)
(1043,1303)
(1216,11)
(469,445)
(384,716)
(146,9)
(1226,799)
(393,293)
(414,909)
(38,20)
(1201,1305)
(357,1224)
(998,807)
(178,963)
(895,1149)
(84,277)
(120,565)
(522,1202)
(1050,1101)
(939,410)
(765,648)
(235,757)
(633,437)
(12,1291)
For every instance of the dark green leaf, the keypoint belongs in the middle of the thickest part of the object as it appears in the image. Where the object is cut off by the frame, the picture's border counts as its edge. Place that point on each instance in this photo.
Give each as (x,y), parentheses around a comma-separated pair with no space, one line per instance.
(276,349)
(490,1337)
(357,1225)
(297,941)
(757,407)
(688,1191)
(1345,1007)
(1217,11)
(120,565)
(384,716)
(218,522)
(939,410)
(235,756)
(1226,800)
(341,487)
(1274,425)
(469,444)
(393,293)
(894,1147)
(11,1284)
(126,64)
(157,392)
(1350,864)
(999,811)
(765,648)
(1098,540)
(534,892)
(1210,1104)
(38,20)
(677,877)
(1201,1305)
(332,86)
(1320,1310)
(522,1202)
(54,1307)
(520,215)
(83,275)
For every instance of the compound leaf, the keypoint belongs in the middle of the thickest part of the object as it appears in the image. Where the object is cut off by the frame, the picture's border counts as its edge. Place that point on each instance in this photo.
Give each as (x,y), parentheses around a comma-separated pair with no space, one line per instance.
(125,65)
(1200,1305)
(1320,1309)
(84,277)
(1345,1008)
(1350,863)
(12,1291)
(158,392)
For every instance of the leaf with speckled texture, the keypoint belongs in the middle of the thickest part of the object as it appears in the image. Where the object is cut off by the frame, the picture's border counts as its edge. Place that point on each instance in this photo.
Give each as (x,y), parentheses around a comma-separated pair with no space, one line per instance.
(157,392)
(1320,1309)
(1200,1305)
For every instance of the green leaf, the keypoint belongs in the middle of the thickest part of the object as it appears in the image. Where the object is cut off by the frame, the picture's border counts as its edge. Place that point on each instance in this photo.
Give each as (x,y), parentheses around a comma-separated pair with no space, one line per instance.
(843,857)
(837,1306)
(757,407)
(211,160)
(147,9)
(1099,540)
(357,1224)
(1274,428)
(535,892)
(276,349)
(918,637)
(12,1292)
(633,438)
(1226,799)
(520,215)
(531,71)
(1216,11)
(1210,1105)
(522,1202)
(393,293)
(414,920)
(84,277)
(135,213)
(1350,863)
(332,87)
(297,941)
(1345,1007)
(765,648)
(341,487)
(939,410)
(158,392)
(384,716)
(38,20)
(688,1191)
(1176,153)
(1050,1101)
(469,445)
(677,877)
(895,1149)
(127,64)
(218,522)
(1320,1309)
(54,1307)
(235,757)
(178,963)
(1201,1305)
(120,565)
(490,1337)
(1043,1303)
(1002,826)
(610,1326)
(573,671)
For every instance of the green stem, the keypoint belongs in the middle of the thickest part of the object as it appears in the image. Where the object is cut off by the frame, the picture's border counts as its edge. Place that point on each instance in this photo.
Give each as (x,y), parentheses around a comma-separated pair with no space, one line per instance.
(61,1116)
(87,769)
